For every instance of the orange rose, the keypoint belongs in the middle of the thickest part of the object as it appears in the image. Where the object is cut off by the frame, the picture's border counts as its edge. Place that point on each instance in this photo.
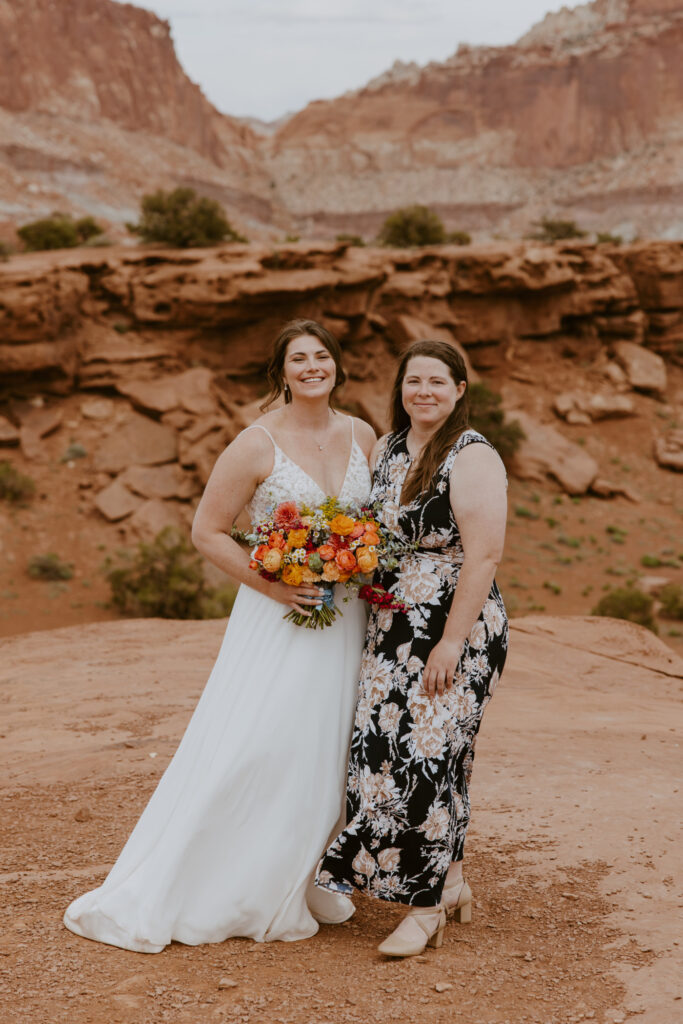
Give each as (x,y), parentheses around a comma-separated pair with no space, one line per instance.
(253,564)
(276,540)
(357,531)
(296,539)
(343,525)
(367,560)
(346,560)
(292,574)
(326,552)
(272,560)
(370,538)
(260,552)
(331,572)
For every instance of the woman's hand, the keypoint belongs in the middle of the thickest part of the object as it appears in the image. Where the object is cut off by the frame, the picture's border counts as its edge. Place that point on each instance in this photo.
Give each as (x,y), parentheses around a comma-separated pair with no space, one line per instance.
(441,666)
(301,599)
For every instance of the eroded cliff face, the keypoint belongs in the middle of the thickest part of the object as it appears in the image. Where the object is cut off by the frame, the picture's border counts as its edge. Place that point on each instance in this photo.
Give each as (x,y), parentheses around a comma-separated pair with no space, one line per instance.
(583,116)
(95,109)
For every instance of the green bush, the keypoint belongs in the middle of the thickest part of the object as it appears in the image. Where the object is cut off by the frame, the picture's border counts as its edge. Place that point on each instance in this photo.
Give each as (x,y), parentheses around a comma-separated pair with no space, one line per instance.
(49,567)
(165,579)
(351,239)
(15,486)
(183,219)
(627,603)
(671,597)
(459,237)
(60,231)
(412,225)
(487,416)
(607,238)
(5,251)
(549,230)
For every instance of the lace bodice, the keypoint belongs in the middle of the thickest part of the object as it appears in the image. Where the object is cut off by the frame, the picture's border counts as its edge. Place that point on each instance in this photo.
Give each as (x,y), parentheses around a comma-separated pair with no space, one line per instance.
(287,481)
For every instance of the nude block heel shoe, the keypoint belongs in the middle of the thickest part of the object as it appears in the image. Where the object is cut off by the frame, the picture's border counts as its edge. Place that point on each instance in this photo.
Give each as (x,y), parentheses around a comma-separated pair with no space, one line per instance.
(457,899)
(402,943)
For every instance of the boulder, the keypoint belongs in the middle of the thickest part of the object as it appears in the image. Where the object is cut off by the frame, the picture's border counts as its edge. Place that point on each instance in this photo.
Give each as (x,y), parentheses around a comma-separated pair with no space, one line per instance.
(669,450)
(138,441)
(167,481)
(97,408)
(403,330)
(152,517)
(583,407)
(191,391)
(545,452)
(645,370)
(150,395)
(8,432)
(606,489)
(116,501)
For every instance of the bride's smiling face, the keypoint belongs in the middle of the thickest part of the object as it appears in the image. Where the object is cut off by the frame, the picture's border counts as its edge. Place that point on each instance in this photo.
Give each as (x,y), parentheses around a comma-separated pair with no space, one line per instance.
(309,369)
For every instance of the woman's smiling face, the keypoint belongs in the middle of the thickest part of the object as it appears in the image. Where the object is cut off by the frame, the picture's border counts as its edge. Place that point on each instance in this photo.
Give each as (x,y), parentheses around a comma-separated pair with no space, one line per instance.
(309,369)
(428,392)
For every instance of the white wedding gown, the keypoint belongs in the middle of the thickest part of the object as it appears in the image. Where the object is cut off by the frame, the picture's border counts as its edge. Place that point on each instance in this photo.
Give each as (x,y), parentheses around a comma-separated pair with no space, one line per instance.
(229,841)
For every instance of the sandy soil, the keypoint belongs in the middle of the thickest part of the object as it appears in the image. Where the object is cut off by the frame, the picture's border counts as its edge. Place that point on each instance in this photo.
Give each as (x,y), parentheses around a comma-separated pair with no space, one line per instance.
(572,855)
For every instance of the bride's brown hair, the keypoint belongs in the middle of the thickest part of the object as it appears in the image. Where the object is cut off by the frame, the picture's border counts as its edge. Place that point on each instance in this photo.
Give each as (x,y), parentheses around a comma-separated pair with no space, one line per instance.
(422,476)
(275,369)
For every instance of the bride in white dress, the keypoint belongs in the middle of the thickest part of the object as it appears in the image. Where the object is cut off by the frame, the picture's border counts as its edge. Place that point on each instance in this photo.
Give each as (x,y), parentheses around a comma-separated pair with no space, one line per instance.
(228,843)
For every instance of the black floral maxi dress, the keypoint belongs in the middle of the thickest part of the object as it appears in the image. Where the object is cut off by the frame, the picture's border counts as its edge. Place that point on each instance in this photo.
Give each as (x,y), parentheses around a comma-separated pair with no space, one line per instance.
(411,756)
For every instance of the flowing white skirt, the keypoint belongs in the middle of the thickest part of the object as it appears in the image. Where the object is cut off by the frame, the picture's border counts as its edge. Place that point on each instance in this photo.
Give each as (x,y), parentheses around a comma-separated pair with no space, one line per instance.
(228,843)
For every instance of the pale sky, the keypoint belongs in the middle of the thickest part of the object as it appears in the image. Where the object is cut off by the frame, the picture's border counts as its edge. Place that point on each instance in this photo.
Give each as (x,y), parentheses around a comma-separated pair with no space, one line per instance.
(264,58)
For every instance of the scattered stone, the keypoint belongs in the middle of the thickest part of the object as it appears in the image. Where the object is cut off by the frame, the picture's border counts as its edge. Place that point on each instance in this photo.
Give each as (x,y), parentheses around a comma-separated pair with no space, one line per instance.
(653,584)
(83,814)
(151,518)
(150,395)
(116,502)
(195,391)
(604,489)
(167,481)
(443,986)
(645,370)
(583,407)
(178,419)
(226,983)
(8,432)
(545,452)
(97,408)
(615,373)
(669,450)
(40,421)
(139,441)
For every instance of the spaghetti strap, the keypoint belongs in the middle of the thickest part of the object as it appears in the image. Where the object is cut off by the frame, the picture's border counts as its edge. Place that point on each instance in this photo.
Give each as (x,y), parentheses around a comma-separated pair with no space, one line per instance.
(353,436)
(259,426)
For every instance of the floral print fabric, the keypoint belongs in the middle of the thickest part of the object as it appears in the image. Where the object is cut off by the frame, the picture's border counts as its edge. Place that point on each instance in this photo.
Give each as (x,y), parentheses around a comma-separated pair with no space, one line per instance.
(411,755)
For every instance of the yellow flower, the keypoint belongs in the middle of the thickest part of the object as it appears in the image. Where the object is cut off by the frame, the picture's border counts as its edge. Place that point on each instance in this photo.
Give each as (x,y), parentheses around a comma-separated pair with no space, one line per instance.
(342,525)
(271,560)
(292,574)
(331,572)
(367,559)
(296,539)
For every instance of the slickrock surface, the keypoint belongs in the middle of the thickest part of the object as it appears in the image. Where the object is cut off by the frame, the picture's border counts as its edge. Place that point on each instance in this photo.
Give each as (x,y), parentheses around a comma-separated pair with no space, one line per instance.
(573,853)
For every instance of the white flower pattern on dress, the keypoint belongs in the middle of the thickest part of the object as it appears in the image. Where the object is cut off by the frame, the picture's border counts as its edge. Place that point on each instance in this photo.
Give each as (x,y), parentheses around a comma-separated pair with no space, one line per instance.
(411,755)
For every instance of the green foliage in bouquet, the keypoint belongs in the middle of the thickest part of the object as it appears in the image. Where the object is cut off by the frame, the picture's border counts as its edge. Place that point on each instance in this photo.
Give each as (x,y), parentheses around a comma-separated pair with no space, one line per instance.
(165,579)
(487,416)
(183,219)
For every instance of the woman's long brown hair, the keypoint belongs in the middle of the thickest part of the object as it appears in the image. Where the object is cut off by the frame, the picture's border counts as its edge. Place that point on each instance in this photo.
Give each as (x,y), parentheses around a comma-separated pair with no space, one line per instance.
(292,330)
(422,476)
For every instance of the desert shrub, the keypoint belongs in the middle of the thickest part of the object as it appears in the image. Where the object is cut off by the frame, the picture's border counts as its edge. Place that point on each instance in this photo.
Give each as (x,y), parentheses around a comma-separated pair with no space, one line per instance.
(60,231)
(49,567)
(487,416)
(607,238)
(459,237)
(183,219)
(550,230)
(412,225)
(5,252)
(671,597)
(165,579)
(627,603)
(74,451)
(351,239)
(15,486)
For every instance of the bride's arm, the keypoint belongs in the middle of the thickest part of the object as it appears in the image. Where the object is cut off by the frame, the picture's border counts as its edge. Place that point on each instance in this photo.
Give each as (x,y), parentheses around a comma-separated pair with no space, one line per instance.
(234,478)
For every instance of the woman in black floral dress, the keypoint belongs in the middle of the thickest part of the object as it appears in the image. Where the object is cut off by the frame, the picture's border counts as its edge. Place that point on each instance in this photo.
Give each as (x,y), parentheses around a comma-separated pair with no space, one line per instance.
(428,673)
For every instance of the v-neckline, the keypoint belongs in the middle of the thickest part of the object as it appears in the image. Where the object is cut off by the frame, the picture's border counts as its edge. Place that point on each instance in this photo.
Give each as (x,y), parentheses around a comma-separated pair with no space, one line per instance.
(337,497)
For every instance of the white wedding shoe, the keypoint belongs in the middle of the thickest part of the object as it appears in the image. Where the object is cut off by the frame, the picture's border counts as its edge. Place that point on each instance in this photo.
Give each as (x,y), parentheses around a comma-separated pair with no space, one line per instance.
(328,907)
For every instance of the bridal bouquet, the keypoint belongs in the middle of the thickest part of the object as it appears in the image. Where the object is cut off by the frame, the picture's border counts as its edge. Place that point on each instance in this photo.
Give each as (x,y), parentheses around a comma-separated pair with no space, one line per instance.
(329,544)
